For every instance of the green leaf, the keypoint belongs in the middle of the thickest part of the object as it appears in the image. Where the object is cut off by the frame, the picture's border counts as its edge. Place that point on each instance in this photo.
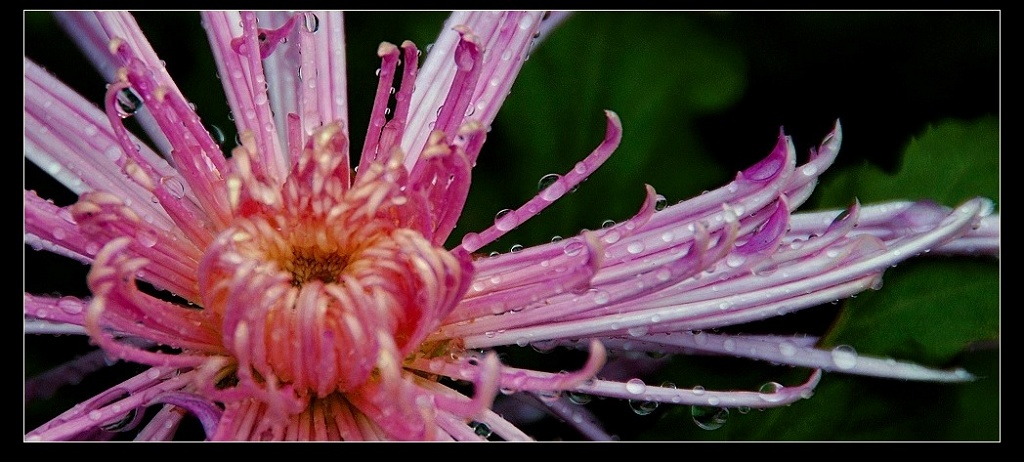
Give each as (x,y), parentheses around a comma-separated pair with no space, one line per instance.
(928,311)
(951,162)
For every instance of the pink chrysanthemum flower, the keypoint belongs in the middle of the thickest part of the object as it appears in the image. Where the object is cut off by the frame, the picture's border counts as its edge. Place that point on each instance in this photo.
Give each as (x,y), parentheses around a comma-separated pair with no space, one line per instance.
(321,301)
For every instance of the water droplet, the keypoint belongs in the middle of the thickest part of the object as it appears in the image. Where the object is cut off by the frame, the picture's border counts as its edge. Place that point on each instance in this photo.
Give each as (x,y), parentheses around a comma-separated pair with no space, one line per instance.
(660,203)
(698,390)
(506,55)
(643,407)
(809,169)
(90,130)
(549,395)
(770,392)
(471,241)
(601,297)
(635,247)
(70,305)
(734,260)
(217,134)
(638,331)
(636,386)
(516,248)
(128,103)
(95,414)
(481,429)
(174,186)
(573,248)
(729,345)
(544,346)
(311,22)
(550,188)
(146,237)
(506,220)
(123,423)
(787,349)
(578,398)
(709,418)
(844,357)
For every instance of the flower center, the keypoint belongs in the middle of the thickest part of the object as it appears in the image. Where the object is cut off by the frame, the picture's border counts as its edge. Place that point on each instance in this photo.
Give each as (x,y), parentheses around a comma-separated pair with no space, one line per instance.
(321,285)
(308,263)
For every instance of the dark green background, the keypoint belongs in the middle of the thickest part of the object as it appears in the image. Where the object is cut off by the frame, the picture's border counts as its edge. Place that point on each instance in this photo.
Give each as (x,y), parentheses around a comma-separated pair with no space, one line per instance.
(701,95)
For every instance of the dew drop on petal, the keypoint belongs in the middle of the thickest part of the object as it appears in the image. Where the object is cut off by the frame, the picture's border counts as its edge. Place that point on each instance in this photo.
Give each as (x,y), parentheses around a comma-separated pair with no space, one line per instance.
(573,248)
(128,103)
(506,220)
(638,331)
(734,260)
(311,22)
(147,237)
(217,134)
(844,357)
(578,398)
(69,305)
(481,429)
(809,169)
(636,386)
(698,390)
(174,186)
(525,22)
(549,395)
(471,241)
(770,392)
(601,297)
(709,418)
(643,407)
(550,188)
(787,349)
(660,203)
